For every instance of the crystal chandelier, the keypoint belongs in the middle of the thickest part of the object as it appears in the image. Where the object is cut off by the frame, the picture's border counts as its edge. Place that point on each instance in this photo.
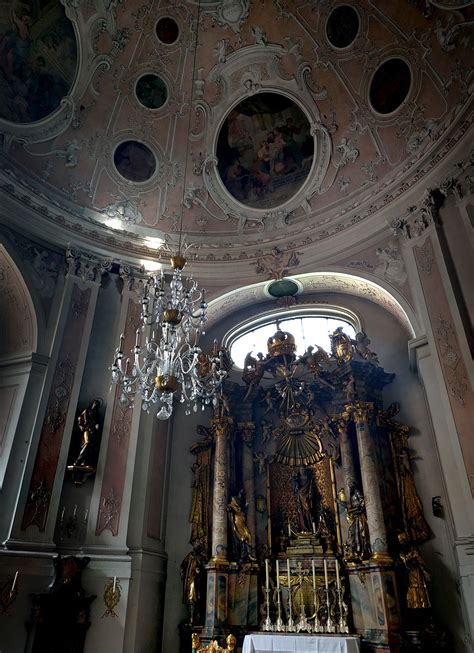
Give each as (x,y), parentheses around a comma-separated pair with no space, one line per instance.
(170,363)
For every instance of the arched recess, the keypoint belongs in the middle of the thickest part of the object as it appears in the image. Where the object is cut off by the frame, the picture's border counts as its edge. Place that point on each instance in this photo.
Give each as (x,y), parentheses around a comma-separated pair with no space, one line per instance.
(19,329)
(321,282)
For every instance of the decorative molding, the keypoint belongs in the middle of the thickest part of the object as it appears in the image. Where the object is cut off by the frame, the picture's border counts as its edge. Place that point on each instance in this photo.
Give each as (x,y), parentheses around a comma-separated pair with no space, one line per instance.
(54,421)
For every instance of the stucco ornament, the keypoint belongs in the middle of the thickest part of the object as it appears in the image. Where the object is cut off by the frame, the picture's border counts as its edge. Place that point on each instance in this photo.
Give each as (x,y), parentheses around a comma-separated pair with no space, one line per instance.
(232,13)
(126,211)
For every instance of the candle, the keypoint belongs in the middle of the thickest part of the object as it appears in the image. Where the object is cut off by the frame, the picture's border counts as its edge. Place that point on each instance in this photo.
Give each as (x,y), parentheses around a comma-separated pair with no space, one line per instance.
(62,513)
(267,578)
(314,527)
(115,583)
(289,529)
(86,515)
(288,572)
(137,338)
(278,573)
(121,342)
(75,510)
(127,365)
(314,574)
(326,573)
(14,583)
(338,582)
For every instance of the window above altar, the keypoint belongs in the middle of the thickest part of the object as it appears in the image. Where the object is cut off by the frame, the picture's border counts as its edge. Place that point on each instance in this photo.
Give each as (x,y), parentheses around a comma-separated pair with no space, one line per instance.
(310,326)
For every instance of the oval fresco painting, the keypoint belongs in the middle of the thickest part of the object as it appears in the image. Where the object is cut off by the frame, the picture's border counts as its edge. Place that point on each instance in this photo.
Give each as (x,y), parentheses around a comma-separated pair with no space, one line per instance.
(265,150)
(37,59)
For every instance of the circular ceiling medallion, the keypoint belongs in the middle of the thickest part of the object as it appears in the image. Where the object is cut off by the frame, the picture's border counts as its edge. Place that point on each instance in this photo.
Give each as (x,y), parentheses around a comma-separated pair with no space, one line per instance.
(38,60)
(134,161)
(342,26)
(264,150)
(167,30)
(151,91)
(390,86)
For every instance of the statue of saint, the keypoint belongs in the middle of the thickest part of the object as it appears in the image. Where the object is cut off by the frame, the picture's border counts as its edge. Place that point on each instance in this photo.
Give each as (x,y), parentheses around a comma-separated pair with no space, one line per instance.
(88,423)
(417,591)
(191,574)
(306,496)
(242,536)
(412,510)
(358,532)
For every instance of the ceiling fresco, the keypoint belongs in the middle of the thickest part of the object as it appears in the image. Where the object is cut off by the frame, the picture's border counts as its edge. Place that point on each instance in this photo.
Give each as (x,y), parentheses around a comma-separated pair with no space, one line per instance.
(290,122)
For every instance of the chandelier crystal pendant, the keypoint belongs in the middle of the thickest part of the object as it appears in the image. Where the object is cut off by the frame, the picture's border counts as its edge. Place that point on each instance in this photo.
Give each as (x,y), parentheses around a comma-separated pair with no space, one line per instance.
(170,363)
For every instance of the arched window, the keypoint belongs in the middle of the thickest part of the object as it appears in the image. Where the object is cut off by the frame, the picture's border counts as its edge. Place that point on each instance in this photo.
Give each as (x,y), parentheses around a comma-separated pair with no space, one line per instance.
(309,326)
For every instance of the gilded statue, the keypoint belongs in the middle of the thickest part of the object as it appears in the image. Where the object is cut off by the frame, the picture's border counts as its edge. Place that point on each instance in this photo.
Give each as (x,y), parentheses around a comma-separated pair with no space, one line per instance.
(191,570)
(306,496)
(88,422)
(358,538)
(341,346)
(417,591)
(416,526)
(242,536)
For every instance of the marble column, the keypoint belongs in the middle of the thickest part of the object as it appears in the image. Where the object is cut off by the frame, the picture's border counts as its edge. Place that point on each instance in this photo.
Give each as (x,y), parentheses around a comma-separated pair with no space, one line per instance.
(220,499)
(347,458)
(247,430)
(362,412)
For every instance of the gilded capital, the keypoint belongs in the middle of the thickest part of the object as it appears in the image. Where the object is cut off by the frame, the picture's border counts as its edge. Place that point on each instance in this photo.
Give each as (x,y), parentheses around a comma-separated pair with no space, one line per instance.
(221,425)
(362,411)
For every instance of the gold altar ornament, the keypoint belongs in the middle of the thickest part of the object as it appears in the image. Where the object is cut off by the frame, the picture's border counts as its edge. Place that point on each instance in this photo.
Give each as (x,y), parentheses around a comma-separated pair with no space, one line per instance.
(112,594)
(213,647)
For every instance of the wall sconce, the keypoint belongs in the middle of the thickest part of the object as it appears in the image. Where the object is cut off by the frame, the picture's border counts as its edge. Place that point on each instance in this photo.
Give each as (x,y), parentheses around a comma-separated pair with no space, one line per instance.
(260,503)
(112,594)
(8,593)
(72,527)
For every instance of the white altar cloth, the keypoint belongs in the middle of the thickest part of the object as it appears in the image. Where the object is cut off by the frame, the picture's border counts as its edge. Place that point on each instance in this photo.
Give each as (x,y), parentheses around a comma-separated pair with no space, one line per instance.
(261,643)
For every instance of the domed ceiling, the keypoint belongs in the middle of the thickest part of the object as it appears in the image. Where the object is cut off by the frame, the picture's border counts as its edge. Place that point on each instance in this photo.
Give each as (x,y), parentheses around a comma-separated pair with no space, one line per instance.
(304,118)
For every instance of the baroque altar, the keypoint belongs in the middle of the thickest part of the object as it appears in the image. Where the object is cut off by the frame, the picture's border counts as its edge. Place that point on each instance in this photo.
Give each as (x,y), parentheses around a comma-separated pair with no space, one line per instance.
(305,517)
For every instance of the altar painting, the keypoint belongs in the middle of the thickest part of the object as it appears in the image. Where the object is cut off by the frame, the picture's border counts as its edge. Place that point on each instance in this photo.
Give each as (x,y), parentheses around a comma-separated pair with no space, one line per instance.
(265,150)
(37,59)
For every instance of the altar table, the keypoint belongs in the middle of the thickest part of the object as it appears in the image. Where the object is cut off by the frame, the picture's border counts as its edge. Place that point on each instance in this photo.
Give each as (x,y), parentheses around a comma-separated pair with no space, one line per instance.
(263,642)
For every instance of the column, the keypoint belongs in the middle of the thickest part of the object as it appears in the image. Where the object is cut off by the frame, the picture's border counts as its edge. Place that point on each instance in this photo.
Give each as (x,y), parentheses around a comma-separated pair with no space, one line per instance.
(362,413)
(220,497)
(247,430)
(347,459)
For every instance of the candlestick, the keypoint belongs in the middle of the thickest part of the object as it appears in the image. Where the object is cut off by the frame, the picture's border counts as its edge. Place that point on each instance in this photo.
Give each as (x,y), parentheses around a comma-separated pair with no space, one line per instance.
(278,573)
(127,365)
(115,584)
(267,576)
(267,624)
(137,338)
(290,624)
(326,584)
(314,574)
(121,342)
(338,583)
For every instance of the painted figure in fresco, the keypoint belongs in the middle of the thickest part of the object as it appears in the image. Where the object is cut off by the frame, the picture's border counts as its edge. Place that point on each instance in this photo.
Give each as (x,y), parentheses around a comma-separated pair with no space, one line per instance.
(88,423)
(237,509)
(30,88)
(417,591)
(192,575)
(306,496)
(358,532)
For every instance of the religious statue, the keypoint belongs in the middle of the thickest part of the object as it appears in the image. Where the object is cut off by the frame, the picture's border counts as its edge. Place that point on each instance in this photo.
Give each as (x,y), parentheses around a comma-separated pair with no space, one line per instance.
(242,536)
(191,570)
(358,531)
(417,591)
(325,529)
(362,347)
(88,424)
(415,524)
(341,346)
(199,513)
(305,494)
